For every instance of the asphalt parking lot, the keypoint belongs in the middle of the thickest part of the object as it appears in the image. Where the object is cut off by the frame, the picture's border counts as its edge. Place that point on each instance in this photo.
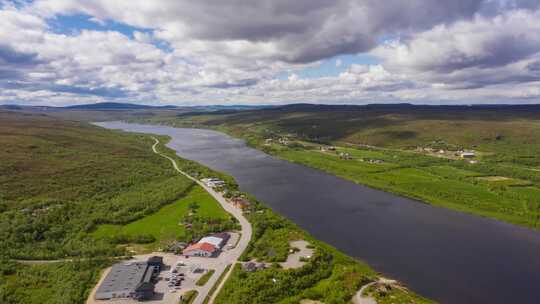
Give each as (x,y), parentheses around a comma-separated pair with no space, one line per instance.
(192,269)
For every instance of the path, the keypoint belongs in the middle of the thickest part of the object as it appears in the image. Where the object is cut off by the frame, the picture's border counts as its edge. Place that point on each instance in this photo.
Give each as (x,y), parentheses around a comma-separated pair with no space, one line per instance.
(229,256)
(360,298)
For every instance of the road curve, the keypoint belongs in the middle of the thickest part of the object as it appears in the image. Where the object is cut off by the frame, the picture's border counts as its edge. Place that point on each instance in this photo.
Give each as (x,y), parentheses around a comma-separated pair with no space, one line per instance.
(232,255)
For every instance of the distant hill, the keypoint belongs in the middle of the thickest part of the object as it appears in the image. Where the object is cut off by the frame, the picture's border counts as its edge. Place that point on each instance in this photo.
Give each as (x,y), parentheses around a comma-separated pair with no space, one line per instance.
(404,106)
(116,106)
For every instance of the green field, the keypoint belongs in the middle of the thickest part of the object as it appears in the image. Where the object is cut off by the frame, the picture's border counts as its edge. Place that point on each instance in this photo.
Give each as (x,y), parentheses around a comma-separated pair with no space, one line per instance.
(165,224)
(503,184)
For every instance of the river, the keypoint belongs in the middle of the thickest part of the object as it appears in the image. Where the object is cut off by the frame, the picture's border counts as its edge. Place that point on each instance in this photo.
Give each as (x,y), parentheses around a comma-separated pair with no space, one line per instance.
(441,254)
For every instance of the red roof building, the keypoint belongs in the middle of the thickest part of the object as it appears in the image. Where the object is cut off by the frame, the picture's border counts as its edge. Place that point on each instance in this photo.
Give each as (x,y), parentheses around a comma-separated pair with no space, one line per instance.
(200,249)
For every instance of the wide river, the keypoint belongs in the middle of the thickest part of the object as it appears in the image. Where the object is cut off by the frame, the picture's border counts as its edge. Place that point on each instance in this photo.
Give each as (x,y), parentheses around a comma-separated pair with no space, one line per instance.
(445,255)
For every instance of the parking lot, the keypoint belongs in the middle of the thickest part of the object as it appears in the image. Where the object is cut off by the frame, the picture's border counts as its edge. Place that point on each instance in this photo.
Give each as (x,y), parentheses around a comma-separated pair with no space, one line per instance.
(185,272)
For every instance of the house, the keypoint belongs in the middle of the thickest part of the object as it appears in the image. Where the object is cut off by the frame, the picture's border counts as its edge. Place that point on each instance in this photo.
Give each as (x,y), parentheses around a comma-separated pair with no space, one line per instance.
(468,154)
(240,203)
(201,250)
(213,182)
(208,246)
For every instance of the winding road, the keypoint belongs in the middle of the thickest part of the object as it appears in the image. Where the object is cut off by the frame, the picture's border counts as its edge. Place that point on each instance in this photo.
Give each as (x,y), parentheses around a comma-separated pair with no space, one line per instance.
(229,256)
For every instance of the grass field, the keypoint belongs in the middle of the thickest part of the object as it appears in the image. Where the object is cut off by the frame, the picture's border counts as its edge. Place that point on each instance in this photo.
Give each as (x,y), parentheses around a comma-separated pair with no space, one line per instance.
(503,184)
(165,224)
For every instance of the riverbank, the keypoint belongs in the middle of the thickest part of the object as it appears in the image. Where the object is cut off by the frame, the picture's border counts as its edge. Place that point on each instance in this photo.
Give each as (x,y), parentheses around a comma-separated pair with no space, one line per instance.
(498,182)
(398,236)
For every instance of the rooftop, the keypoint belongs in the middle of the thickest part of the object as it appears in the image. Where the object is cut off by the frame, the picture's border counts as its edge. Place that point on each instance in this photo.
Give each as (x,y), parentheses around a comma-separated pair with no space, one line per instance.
(201,246)
(124,278)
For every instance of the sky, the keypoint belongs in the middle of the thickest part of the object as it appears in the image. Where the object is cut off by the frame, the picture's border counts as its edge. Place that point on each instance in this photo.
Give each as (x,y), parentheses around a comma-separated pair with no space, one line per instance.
(184,52)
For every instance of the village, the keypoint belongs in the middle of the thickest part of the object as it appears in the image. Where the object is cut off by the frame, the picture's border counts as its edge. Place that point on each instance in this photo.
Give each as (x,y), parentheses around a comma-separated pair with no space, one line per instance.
(437,148)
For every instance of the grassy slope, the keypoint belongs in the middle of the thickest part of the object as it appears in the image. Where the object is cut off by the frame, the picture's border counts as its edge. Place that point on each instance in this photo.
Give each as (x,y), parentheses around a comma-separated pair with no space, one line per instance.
(59,180)
(164,225)
(509,142)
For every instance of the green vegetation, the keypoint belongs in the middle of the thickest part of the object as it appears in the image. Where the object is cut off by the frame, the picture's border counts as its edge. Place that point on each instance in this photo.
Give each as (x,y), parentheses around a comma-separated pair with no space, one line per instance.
(53,283)
(329,276)
(189,297)
(167,224)
(204,279)
(73,190)
(218,282)
(396,149)
(59,180)
(388,294)
(90,189)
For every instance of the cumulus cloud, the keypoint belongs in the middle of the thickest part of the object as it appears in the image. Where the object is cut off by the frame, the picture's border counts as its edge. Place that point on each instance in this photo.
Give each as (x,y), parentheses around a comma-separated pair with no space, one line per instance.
(481,52)
(238,51)
(293,31)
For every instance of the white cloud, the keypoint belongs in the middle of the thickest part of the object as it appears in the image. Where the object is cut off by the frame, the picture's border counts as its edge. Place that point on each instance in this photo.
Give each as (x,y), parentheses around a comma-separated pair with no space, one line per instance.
(235,52)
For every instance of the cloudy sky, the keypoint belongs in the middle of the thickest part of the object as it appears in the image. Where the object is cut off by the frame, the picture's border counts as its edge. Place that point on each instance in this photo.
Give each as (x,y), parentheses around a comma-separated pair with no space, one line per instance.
(184,52)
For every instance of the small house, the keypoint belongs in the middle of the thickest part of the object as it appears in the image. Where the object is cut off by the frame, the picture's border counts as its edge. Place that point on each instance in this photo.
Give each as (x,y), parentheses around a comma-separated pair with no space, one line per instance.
(468,154)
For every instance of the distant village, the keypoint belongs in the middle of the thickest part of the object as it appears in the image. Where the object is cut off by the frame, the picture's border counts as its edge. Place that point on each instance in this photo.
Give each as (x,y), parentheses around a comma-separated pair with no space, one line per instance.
(434,149)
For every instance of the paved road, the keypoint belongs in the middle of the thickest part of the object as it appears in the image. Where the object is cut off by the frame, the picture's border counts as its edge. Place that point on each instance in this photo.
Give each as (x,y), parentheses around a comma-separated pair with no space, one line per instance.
(229,256)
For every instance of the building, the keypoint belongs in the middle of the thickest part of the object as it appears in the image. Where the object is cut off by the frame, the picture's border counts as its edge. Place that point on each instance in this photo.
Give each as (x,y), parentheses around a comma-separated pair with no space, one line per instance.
(130,280)
(201,250)
(468,154)
(224,236)
(213,182)
(240,203)
(208,246)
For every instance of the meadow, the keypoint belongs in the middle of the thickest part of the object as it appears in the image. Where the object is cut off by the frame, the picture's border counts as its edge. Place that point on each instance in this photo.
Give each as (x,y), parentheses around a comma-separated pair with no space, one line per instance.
(166,225)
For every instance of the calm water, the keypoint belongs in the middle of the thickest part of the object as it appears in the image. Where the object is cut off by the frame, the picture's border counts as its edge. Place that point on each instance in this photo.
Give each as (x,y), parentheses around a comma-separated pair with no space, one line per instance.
(444,255)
